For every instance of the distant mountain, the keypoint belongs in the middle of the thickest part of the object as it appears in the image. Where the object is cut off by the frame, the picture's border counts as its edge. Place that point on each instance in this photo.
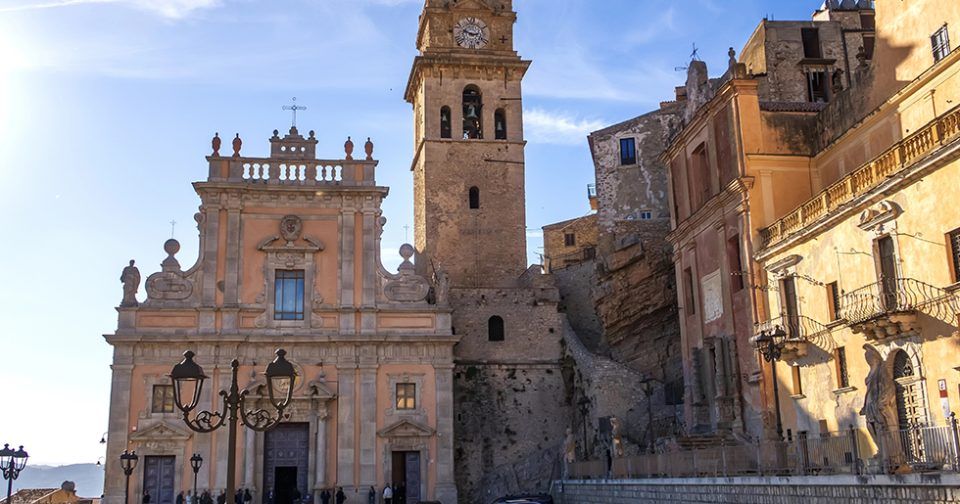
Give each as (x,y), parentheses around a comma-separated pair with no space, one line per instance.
(88,477)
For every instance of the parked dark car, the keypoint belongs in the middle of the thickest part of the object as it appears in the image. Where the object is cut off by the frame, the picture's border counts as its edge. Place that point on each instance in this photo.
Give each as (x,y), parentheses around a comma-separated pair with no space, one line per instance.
(525,499)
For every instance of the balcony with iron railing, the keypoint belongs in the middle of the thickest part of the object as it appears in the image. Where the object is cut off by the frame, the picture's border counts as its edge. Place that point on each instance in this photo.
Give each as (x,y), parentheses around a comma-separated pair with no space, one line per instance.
(902,155)
(800,331)
(888,308)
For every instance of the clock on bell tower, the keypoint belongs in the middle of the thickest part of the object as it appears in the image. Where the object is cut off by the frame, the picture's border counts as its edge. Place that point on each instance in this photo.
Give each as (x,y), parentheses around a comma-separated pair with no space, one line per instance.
(465,88)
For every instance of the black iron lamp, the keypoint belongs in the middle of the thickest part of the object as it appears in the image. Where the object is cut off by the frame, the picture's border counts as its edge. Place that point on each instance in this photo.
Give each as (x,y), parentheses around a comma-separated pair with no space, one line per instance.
(196,462)
(770,346)
(11,463)
(128,462)
(188,380)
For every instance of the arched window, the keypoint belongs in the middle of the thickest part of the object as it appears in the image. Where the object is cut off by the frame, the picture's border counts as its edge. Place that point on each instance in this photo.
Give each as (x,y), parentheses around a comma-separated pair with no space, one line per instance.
(474,198)
(495,328)
(472,113)
(500,124)
(446,128)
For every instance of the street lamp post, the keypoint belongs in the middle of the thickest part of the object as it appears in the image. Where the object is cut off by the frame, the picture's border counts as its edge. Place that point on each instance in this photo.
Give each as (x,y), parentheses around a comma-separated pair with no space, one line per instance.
(770,345)
(647,386)
(128,462)
(188,381)
(11,463)
(196,461)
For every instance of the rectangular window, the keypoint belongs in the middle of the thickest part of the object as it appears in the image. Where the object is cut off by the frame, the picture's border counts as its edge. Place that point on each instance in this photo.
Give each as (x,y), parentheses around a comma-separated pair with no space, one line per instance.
(788,289)
(589,253)
(162,399)
(811,42)
(817,86)
(953,244)
(869,42)
(646,215)
(628,151)
(735,263)
(940,40)
(406,396)
(700,190)
(689,297)
(833,300)
(840,357)
(797,385)
(288,295)
(569,239)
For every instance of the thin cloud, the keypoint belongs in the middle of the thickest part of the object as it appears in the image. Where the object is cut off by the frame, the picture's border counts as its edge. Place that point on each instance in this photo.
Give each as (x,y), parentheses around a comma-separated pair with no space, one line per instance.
(171,9)
(547,127)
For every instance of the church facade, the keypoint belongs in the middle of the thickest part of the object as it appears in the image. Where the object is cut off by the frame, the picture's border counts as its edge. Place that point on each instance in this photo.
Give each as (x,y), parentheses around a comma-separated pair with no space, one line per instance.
(446,376)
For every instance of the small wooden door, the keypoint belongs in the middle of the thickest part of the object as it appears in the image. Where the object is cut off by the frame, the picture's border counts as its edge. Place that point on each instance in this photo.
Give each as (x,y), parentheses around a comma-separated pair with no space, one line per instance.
(158,479)
(412,477)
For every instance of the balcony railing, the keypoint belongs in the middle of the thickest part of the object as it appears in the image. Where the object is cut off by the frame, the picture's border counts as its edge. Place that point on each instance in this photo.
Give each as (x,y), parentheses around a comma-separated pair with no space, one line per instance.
(926,448)
(901,155)
(798,327)
(897,295)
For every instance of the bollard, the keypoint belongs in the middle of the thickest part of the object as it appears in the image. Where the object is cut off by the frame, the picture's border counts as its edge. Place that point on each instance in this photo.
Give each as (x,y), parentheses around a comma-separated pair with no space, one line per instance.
(956,441)
(855,450)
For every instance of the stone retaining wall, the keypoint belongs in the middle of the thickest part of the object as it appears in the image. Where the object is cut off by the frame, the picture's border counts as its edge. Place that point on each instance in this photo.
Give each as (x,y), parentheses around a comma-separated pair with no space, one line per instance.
(911,488)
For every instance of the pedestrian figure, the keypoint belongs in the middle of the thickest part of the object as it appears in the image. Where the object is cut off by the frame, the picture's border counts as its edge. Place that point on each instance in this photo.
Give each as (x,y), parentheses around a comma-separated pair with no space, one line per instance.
(341,497)
(372,496)
(401,494)
(387,495)
(179,499)
(222,497)
(325,496)
(189,498)
(247,496)
(146,497)
(270,497)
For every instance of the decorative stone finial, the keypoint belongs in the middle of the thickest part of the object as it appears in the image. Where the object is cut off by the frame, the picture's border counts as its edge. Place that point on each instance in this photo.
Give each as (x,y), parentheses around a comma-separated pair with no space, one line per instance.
(237,143)
(276,133)
(406,252)
(312,134)
(368,147)
(348,148)
(215,142)
(130,277)
(171,247)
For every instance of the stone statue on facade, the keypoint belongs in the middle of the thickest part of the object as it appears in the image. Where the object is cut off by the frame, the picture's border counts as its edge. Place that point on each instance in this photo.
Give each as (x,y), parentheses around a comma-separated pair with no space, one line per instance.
(130,277)
(880,399)
(441,282)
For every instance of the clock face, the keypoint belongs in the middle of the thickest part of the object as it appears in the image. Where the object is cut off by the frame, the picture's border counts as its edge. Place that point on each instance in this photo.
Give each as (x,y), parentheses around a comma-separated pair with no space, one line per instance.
(471,33)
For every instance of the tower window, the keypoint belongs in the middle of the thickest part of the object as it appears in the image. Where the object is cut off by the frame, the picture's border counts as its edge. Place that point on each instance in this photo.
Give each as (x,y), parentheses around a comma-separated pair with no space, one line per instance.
(940,40)
(288,295)
(446,128)
(495,328)
(474,198)
(628,151)
(472,113)
(500,124)
(569,239)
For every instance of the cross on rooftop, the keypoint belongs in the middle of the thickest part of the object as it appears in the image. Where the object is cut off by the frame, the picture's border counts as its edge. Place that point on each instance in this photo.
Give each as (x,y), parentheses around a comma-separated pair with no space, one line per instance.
(173,227)
(294,108)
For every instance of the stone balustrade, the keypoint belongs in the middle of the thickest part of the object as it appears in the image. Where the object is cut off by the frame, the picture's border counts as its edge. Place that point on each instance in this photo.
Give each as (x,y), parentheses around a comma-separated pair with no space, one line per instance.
(289,172)
(900,156)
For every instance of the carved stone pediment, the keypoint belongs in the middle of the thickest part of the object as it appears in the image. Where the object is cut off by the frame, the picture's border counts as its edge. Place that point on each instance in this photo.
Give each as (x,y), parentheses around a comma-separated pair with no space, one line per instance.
(876,216)
(780,267)
(161,432)
(406,286)
(406,428)
(319,390)
(168,286)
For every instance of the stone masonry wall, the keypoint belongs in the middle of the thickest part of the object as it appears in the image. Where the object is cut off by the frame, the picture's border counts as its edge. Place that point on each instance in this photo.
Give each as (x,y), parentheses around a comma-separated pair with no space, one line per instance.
(576,284)
(917,489)
(512,398)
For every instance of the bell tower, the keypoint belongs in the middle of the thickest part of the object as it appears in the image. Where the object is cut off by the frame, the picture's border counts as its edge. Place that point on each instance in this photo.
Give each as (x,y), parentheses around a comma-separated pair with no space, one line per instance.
(465,88)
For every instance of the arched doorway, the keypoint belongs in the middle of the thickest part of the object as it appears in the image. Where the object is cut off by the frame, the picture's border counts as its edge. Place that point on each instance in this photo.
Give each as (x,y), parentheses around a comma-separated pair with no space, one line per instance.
(911,405)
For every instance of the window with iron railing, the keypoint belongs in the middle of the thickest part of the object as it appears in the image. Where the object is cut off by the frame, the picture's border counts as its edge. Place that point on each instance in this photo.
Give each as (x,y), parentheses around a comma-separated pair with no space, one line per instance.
(953,240)
(940,42)
(833,300)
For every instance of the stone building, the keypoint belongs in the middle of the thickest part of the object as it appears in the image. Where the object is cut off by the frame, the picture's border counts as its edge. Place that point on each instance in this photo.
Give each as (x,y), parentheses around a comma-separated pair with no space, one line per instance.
(771,206)
(863,271)
(569,242)
(289,257)
(512,403)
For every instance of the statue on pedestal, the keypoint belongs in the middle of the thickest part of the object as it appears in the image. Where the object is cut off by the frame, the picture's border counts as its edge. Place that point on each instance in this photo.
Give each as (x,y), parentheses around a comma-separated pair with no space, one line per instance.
(130,277)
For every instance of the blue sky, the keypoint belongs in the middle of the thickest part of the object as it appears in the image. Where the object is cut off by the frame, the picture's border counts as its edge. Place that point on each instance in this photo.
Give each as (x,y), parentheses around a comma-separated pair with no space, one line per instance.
(107,108)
